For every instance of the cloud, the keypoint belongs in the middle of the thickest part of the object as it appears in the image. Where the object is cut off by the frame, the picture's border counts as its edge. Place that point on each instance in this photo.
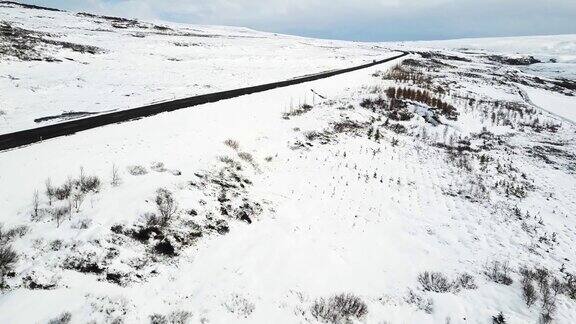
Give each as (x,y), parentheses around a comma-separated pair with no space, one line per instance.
(354,19)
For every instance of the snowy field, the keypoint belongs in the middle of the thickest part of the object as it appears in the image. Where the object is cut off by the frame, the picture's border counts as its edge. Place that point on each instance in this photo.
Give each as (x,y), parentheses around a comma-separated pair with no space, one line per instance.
(439,188)
(557,54)
(78,63)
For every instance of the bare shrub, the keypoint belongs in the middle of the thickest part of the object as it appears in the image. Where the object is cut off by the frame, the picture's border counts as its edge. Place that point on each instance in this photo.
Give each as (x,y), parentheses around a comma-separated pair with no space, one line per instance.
(179,317)
(426,305)
(165,247)
(82,223)
(339,308)
(232,144)
(541,275)
(166,205)
(137,170)
(246,157)
(35,205)
(434,281)
(56,245)
(151,219)
(59,213)
(115,181)
(549,291)
(323,137)
(176,317)
(498,272)
(8,260)
(158,167)
(548,306)
(89,184)
(499,319)
(240,306)
(158,319)
(376,104)
(403,73)
(465,281)
(250,159)
(529,293)
(300,110)
(78,198)
(397,128)
(226,159)
(570,286)
(49,191)
(6,236)
(347,125)
(64,191)
(63,318)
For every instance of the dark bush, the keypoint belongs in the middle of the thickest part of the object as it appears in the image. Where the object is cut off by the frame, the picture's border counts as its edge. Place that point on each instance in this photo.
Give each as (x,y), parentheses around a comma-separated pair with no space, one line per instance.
(400,115)
(541,276)
(114,278)
(434,281)
(176,317)
(8,260)
(63,192)
(570,286)
(232,144)
(499,319)
(158,319)
(302,109)
(118,228)
(90,183)
(165,247)
(49,191)
(220,226)
(6,236)
(58,214)
(549,296)
(426,305)
(528,292)
(179,317)
(167,206)
(83,263)
(346,126)
(498,272)
(397,128)
(465,281)
(143,234)
(423,97)
(137,170)
(339,308)
(246,157)
(366,103)
(64,318)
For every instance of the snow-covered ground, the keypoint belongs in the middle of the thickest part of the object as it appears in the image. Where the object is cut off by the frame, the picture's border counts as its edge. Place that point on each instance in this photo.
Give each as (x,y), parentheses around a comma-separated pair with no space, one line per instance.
(557,53)
(561,105)
(136,63)
(292,196)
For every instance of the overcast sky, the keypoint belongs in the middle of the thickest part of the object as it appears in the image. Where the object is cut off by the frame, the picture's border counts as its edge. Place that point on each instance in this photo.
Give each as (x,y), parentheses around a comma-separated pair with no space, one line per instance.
(362,20)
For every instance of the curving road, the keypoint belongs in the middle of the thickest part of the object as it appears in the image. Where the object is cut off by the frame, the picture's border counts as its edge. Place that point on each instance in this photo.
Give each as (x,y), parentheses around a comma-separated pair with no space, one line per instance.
(30,136)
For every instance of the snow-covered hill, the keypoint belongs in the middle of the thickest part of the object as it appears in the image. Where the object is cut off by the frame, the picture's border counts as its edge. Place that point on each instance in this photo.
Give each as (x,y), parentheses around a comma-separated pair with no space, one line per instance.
(57,62)
(436,189)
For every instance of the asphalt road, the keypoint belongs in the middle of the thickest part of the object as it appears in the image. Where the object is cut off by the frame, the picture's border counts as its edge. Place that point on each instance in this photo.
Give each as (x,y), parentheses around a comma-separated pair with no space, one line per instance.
(30,136)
